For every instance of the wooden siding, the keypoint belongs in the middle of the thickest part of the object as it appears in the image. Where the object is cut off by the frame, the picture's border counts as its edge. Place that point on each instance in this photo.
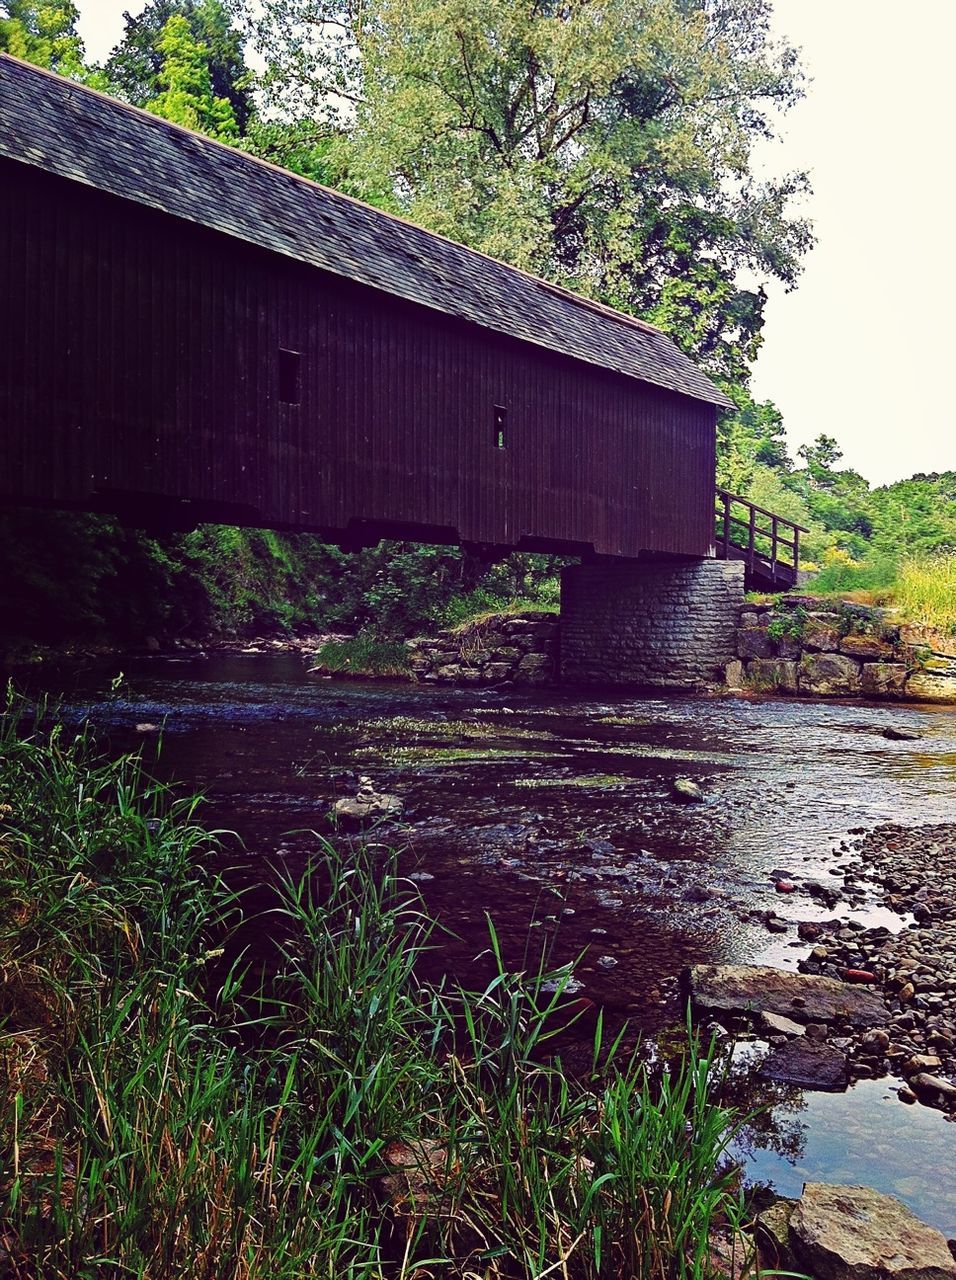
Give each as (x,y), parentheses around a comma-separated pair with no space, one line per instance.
(143,363)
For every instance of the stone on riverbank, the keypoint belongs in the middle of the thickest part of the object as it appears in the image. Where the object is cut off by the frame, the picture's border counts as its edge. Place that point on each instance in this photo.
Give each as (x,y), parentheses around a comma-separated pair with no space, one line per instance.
(829,675)
(855,1233)
(501,649)
(753,989)
(928,686)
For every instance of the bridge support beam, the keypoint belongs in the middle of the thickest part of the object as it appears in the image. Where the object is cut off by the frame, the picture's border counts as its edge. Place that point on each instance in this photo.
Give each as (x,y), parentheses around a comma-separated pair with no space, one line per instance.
(650,624)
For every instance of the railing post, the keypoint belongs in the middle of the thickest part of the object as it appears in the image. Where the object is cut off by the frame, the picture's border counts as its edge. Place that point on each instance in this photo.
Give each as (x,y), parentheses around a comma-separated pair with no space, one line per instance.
(726,498)
(796,553)
(750,537)
(773,546)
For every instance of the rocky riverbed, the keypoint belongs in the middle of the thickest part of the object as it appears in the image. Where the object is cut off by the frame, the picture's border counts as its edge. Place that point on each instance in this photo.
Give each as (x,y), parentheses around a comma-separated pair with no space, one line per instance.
(869,1001)
(914,970)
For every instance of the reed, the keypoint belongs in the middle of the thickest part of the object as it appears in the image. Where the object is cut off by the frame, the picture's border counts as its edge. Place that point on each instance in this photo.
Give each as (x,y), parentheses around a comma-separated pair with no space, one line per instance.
(166,1112)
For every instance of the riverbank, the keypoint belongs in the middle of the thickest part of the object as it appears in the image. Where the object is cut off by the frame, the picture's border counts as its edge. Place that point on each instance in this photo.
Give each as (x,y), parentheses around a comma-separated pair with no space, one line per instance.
(553,811)
(166,1110)
(914,869)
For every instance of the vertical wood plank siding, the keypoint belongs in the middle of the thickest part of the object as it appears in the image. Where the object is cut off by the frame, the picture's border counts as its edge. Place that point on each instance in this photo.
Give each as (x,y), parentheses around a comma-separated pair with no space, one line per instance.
(142,359)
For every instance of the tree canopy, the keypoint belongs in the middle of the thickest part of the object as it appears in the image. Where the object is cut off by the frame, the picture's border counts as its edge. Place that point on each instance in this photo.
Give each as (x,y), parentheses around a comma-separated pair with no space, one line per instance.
(604,144)
(44,34)
(135,68)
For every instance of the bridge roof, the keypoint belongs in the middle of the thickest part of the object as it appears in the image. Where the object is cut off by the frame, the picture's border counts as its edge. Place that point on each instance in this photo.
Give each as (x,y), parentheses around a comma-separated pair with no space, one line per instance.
(67,129)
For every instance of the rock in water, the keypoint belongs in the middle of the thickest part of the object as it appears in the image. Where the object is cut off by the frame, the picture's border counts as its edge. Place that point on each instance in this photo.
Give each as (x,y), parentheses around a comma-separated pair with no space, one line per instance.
(897,733)
(368,805)
(754,988)
(853,1233)
(686,791)
(809,1065)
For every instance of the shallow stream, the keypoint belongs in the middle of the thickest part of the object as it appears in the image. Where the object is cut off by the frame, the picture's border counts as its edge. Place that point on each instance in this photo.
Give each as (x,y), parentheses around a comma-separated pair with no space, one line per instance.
(552,813)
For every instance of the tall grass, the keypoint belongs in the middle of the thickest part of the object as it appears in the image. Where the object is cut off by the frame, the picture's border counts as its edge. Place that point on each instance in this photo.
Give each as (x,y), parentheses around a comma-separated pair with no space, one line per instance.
(844,575)
(164,1113)
(925,590)
(362,655)
(921,587)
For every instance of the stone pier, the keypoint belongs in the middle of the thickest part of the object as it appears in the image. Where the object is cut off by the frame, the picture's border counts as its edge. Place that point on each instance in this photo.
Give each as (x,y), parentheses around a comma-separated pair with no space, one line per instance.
(650,624)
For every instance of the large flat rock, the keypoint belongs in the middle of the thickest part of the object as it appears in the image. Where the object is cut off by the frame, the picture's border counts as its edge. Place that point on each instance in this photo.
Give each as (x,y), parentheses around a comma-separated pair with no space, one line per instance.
(854,1233)
(757,988)
(809,1065)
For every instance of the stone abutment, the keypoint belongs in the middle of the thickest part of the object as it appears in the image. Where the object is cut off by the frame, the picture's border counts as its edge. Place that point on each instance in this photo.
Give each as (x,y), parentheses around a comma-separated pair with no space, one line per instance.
(650,624)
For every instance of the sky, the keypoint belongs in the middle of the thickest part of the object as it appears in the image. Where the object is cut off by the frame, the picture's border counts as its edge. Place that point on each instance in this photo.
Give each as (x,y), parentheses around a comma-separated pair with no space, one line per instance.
(862,348)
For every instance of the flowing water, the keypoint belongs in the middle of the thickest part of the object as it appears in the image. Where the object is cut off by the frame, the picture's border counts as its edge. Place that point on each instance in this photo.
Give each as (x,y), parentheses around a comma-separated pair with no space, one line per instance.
(552,813)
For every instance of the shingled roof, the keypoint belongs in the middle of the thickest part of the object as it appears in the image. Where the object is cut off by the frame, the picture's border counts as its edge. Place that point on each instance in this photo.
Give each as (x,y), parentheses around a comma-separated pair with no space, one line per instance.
(67,129)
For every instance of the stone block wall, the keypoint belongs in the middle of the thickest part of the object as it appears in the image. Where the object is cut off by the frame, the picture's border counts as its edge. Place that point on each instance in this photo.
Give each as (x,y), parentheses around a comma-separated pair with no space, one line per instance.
(505,649)
(654,624)
(806,645)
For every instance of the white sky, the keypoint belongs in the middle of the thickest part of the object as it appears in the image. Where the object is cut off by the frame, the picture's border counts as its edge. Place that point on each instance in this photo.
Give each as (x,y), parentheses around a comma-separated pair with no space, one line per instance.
(862,349)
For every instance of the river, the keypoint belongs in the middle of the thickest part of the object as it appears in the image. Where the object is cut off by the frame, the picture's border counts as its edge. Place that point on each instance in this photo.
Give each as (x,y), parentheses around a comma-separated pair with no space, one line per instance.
(552,813)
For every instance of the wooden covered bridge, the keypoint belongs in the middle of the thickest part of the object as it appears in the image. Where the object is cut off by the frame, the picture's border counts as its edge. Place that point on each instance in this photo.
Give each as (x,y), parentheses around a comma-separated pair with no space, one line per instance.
(194,334)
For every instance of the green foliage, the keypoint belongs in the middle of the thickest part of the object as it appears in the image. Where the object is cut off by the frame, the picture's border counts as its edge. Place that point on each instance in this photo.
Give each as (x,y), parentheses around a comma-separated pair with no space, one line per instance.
(917,515)
(787,623)
(364,655)
(134,69)
(165,1114)
(43,32)
(842,575)
(925,590)
(186,95)
(77,577)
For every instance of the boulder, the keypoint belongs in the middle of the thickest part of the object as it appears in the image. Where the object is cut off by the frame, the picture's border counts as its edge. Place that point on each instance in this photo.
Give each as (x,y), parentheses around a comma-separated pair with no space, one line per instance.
(788,647)
(927,686)
(757,988)
(934,1090)
(830,675)
(871,647)
(772,1236)
(734,674)
(809,1064)
(535,668)
(884,679)
(754,642)
(920,636)
(821,633)
(897,733)
(772,673)
(450,672)
(686,791)
(854,1233)
(496,671)
(774,1024)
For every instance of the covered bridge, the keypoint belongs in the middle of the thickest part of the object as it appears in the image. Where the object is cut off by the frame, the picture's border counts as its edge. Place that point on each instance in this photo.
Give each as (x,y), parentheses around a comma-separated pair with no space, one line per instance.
(194,334)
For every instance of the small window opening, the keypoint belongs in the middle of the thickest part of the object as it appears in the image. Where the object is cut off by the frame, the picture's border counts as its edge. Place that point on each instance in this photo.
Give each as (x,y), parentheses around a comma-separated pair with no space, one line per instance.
(501,424)
(289,376)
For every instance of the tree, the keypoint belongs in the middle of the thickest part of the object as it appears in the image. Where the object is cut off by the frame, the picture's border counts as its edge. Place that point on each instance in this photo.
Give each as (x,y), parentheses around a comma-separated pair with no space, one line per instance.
(821,458)
(604,144)
(134,67)
(44,34)
(186,95)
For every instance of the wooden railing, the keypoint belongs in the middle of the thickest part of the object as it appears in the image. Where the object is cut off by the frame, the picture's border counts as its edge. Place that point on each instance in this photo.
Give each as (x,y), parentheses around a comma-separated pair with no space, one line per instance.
(769,550)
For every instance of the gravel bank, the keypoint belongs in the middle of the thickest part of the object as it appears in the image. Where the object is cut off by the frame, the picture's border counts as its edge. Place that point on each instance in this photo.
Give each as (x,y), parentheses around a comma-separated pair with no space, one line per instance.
(914,869)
